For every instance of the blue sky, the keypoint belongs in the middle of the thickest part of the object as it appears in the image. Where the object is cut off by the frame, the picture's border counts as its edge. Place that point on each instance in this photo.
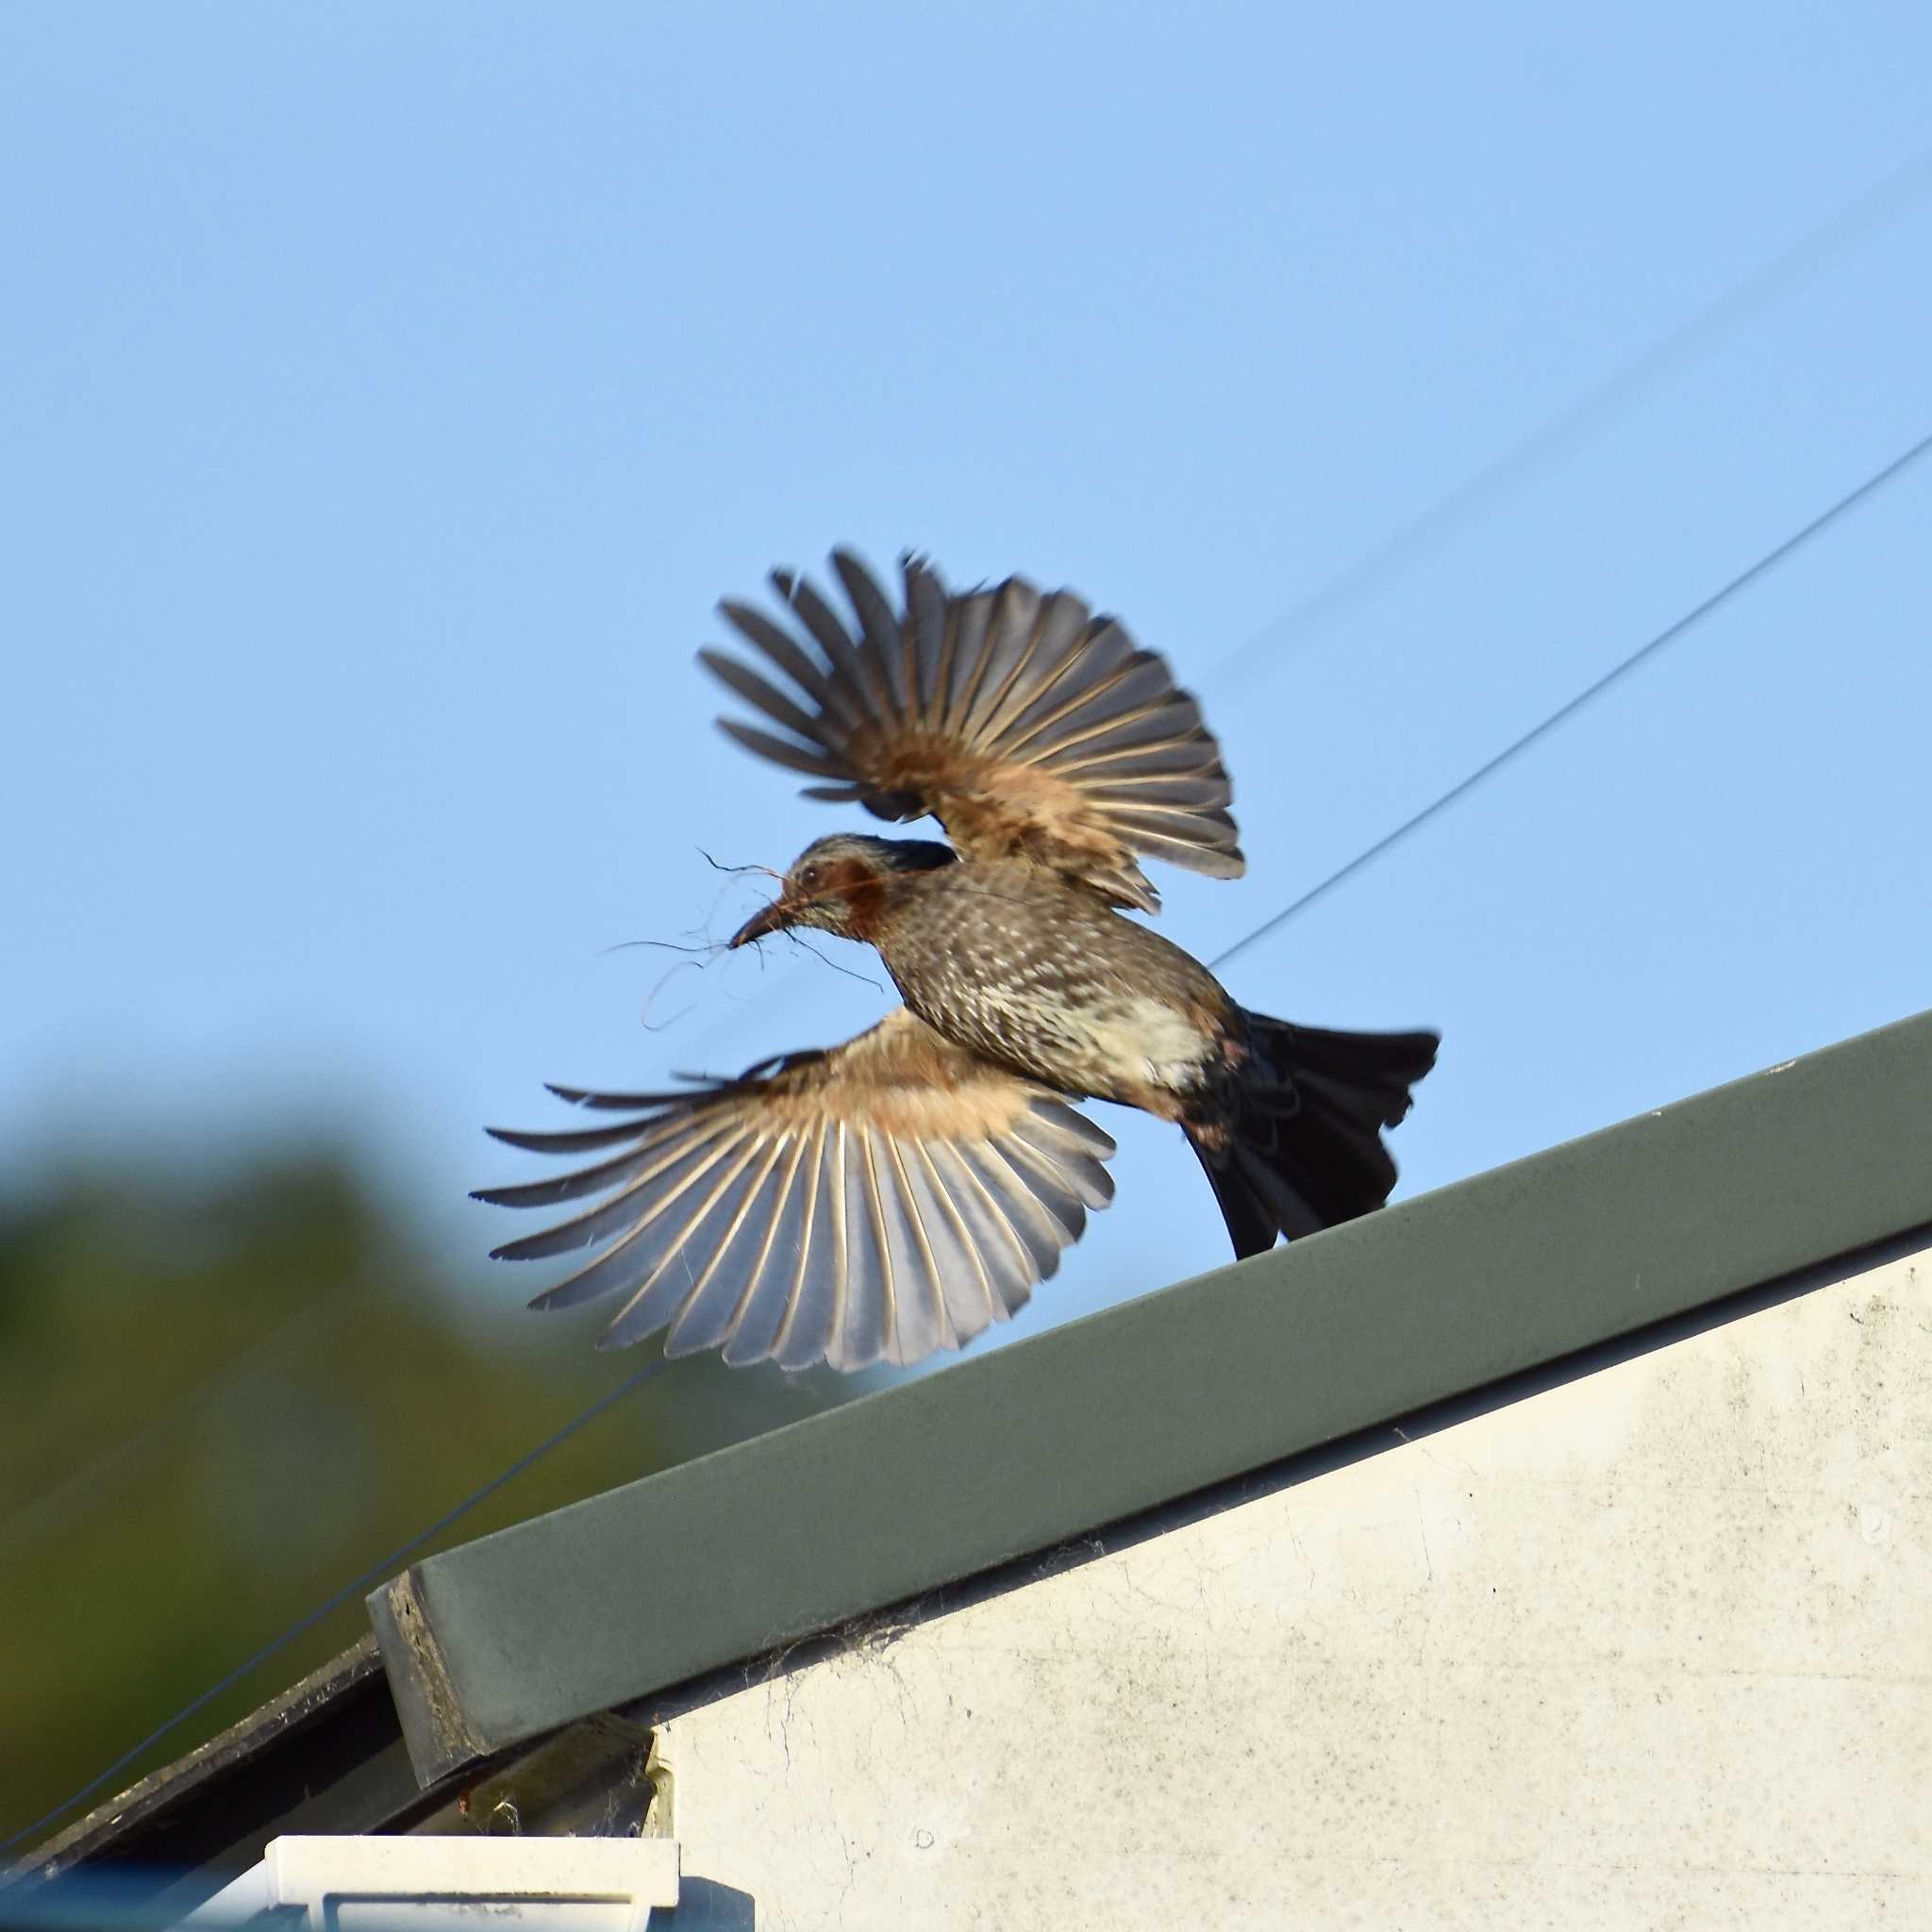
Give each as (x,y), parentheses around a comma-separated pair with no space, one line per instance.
(389,392)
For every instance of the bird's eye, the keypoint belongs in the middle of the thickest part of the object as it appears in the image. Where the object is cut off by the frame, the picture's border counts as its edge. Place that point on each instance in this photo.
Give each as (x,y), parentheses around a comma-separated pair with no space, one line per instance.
(811,878)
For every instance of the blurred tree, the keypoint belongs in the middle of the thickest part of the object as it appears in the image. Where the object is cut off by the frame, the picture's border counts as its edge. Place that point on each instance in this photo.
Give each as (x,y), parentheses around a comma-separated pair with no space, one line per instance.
(219,1403)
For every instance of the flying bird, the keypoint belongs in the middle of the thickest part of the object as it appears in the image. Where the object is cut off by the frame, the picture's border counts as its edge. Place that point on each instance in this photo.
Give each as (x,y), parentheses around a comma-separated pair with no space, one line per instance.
(876,1201)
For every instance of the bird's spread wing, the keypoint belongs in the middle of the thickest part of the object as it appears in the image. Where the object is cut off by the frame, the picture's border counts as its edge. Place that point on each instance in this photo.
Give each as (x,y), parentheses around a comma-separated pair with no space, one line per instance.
(871,1203)
(1022,721)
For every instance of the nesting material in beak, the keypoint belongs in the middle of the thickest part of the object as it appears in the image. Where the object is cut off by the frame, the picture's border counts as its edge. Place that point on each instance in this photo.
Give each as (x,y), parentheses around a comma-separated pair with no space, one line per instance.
(774,918)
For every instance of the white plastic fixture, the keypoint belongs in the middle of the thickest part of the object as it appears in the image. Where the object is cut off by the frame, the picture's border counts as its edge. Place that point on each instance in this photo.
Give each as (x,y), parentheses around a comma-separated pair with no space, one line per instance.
(430,1884)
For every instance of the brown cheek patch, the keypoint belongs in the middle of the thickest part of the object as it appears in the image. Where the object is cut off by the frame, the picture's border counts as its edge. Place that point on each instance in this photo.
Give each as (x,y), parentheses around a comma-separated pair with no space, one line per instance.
(864,894)
(845,880)
(842,874)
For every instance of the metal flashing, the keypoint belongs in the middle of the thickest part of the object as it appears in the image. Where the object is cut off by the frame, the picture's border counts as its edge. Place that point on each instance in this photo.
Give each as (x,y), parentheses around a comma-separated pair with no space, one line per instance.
(1012,1452)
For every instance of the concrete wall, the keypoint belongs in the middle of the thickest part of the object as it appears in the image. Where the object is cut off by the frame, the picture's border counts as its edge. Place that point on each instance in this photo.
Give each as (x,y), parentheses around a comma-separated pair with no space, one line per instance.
(1652,1648)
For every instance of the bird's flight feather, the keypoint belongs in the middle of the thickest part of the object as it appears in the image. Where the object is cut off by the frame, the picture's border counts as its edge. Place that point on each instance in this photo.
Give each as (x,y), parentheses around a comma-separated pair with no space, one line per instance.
(868,1204)
(1022,721)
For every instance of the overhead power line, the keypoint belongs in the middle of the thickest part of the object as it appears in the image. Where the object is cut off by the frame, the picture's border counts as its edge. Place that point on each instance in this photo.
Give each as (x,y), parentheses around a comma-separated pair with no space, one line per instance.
(1671,353)
(383,1567)
(61,1501)
(1669,635)
(1778,554)
(1677,349)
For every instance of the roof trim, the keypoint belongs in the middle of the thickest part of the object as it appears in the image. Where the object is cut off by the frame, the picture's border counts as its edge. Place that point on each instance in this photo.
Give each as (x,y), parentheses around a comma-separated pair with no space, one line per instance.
(840,1515)
(326,1755)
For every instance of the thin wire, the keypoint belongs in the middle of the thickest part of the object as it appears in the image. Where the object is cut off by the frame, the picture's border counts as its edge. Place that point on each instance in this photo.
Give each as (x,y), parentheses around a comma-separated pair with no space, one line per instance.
(1886,199)
(368,1577)
(1669,635)
(41,1515)
(1429,527)
(1675,350)
(315,1321)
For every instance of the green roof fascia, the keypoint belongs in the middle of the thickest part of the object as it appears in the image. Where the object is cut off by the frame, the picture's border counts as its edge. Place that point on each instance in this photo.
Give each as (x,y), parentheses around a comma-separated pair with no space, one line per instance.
(1014,1450)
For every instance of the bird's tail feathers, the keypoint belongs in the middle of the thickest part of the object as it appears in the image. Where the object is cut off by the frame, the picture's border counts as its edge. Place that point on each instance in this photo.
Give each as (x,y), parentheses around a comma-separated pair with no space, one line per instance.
(1304,1149)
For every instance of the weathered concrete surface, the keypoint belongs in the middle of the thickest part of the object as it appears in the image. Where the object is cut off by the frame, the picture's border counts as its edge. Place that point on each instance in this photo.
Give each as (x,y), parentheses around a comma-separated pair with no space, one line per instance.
(1650,1649)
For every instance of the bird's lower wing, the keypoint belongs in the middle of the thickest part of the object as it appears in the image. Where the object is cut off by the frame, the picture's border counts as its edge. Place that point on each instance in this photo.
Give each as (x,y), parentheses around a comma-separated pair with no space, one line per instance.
(872,1203)
(1019,720)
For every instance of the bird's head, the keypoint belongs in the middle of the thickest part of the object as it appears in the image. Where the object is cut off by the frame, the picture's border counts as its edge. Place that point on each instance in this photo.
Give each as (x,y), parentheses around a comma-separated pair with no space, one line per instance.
(844,885)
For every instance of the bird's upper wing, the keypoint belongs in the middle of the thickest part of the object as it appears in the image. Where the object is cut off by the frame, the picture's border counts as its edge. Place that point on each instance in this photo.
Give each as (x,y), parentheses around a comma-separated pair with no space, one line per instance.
(871,1203)
(1022,721)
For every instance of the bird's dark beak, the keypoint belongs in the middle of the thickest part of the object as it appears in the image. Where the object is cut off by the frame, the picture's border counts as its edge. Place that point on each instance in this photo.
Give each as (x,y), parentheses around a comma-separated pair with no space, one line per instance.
(774,918)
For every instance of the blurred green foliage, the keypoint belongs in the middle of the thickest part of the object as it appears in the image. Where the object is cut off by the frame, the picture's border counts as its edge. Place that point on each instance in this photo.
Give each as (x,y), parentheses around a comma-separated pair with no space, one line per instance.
(219,1402)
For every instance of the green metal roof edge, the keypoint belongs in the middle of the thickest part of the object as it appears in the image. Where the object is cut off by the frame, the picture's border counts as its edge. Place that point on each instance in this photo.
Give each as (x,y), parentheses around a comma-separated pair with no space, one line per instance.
(1011,1452)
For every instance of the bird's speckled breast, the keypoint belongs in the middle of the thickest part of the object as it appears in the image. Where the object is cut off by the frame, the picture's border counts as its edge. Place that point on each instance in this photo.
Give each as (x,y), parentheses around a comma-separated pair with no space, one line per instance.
(1006,959)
